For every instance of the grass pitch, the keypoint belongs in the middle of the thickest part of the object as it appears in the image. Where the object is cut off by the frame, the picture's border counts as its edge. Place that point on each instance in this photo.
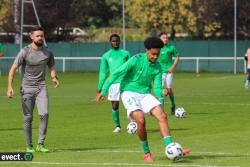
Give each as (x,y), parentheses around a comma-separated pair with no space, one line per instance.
(80,130)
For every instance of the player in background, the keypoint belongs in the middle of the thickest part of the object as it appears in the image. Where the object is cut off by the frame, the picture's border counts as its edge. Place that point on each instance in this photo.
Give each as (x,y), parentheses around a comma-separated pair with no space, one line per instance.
(33,60)
(112,60)
(1,50)
(137,75)
(247,58)
(168,66)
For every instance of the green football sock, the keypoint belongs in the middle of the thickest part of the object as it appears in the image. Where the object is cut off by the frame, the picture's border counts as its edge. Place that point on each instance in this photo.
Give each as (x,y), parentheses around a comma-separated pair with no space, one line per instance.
(172,99)
(145,148)
(168,140)
(115,116)
(161,99)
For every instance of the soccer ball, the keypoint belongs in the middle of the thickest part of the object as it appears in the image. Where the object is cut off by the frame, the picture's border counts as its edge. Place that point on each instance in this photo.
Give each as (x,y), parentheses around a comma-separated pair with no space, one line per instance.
(174,151)
(132,128)
(180,112)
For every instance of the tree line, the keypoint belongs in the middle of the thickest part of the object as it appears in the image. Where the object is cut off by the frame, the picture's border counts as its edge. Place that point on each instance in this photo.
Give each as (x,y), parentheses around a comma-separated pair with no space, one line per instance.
(195,19)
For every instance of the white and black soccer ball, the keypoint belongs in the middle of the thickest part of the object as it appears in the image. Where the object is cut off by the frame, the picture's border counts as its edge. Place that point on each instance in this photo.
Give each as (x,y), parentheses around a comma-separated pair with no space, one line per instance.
(174,151)
(180,112)
(132,128)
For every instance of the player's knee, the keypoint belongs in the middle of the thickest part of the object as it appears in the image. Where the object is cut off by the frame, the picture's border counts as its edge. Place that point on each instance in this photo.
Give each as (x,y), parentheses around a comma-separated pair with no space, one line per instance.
(162,116)
(28,118)
(140,120)
(115,105)
(44,117)
(169,90)
(165,92)
(43,110)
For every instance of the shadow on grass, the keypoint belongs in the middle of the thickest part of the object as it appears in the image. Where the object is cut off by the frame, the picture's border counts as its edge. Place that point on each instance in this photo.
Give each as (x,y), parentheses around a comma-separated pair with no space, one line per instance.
(11,129)
(84,149)
(157,130)
(206,113)
(200,113)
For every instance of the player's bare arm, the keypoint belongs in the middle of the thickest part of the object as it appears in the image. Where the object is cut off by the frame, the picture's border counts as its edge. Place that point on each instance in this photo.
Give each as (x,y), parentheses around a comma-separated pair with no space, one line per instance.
(54,77)
(99,96)
(12,71)
(176,61)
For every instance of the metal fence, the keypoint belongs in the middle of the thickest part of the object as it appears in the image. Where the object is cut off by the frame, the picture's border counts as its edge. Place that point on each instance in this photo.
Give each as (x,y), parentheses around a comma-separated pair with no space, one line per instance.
(191,64)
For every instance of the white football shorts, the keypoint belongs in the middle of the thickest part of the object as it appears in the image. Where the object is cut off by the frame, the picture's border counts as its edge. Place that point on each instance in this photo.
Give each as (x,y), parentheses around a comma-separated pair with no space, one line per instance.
(167,80)
(114,92)
(135,101)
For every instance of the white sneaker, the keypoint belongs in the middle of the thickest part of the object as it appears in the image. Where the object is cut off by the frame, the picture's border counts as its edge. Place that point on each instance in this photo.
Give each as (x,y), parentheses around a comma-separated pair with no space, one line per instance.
(117,130)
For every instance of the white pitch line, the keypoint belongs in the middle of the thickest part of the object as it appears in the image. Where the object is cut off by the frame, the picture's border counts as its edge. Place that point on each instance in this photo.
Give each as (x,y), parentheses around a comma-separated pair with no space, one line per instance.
(137,151)
(208,103)
(110,164)
(221,153)
(126,164)
(208,78)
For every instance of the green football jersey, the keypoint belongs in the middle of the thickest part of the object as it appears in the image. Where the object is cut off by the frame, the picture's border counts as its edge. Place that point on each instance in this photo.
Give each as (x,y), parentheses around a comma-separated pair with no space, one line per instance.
(166,57)
(111,60)
(137,75)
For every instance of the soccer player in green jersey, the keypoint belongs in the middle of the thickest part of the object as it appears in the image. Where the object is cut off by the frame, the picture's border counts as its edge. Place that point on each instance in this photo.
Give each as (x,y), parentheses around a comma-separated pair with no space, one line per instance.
(137,75)
(168,66)
(1,50)
(111,60)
